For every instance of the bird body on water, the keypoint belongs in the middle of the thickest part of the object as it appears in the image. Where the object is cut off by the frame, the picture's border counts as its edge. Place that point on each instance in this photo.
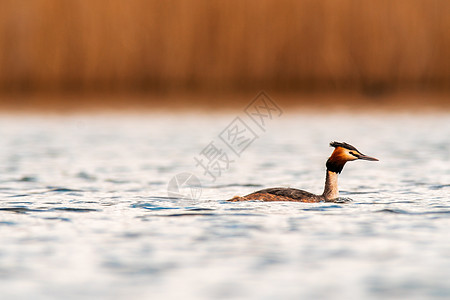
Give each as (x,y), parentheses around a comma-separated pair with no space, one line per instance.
(342,153)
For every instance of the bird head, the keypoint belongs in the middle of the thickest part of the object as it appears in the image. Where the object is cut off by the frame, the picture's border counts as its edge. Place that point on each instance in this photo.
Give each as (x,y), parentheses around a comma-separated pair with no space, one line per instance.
(343,153)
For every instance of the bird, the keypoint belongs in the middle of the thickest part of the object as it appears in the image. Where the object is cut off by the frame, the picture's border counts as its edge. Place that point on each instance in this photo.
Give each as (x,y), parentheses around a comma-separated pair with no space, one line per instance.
(342,153)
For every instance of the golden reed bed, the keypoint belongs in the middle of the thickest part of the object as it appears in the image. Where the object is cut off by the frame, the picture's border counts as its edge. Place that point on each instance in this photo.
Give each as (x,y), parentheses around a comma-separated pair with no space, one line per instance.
(110,45)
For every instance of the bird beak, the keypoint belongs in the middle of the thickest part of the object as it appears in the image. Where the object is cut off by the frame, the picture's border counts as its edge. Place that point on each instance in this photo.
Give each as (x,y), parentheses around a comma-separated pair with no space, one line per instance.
(365,157)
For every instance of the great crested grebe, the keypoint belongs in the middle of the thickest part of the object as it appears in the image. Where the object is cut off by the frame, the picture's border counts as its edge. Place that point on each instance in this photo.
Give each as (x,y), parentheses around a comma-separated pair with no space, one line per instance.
(342,153)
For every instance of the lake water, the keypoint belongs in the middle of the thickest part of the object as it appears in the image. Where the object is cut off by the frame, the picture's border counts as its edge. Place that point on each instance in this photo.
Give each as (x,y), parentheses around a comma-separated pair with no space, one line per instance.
(85,211)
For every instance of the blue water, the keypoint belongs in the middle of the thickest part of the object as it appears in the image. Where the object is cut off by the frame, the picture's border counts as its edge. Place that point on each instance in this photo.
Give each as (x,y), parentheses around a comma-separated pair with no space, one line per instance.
(85,210)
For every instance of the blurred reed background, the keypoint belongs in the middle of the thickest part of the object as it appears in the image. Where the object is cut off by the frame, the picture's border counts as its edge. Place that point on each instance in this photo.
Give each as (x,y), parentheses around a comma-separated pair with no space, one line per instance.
(179,46)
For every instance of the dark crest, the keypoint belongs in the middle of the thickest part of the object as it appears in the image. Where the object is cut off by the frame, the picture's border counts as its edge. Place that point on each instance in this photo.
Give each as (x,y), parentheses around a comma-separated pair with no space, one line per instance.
(343,145)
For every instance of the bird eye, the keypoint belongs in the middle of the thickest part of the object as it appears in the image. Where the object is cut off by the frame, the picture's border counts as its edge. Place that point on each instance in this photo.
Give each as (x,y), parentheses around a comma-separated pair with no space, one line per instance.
(353,153)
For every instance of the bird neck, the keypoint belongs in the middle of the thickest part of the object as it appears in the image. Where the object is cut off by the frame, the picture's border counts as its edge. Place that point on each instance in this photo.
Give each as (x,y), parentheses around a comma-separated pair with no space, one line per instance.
(331,186)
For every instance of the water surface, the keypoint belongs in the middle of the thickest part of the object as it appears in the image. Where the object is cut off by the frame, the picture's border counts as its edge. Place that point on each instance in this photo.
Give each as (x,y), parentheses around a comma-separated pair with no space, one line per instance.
(84,210)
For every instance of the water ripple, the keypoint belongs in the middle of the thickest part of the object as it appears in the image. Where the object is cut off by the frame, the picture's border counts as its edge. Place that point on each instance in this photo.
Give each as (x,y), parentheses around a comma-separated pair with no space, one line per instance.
(151,206)
(322,208)
(62,190)
(7,223)
(439,186)
(404,212)
(20,209)
(27,179)
(188,215)
(74,209)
